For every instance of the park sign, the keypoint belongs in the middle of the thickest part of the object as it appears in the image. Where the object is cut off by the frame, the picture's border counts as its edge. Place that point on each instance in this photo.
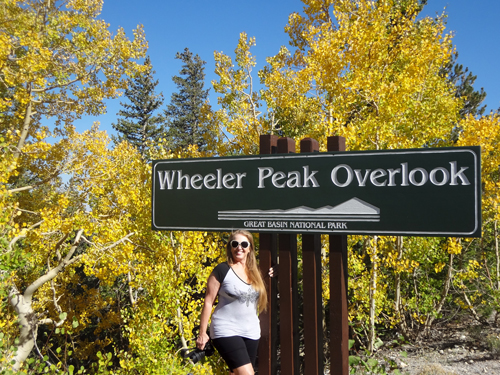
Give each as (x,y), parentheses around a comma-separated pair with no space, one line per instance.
(414,192)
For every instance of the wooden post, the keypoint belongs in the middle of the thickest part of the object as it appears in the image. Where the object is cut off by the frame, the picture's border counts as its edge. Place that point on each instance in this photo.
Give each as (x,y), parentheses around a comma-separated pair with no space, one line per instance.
(312,290)
(313,307)
(267,355)
(289,314)
(339,323)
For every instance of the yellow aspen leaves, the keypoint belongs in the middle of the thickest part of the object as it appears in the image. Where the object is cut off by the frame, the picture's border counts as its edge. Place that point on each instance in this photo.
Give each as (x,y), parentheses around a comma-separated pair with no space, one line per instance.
(439,267)
(365,70)
(369,72)
(485,132)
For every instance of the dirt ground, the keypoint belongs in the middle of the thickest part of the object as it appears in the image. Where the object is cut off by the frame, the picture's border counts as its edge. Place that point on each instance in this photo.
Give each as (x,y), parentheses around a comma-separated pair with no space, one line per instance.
(460,350)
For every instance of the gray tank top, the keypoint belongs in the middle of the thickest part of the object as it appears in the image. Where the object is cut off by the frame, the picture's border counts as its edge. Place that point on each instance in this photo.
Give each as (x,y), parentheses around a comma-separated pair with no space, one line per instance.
(236,312)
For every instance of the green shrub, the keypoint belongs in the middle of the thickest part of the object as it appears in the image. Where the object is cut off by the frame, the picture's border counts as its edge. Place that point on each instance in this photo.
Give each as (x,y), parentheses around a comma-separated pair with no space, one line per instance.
(492,342)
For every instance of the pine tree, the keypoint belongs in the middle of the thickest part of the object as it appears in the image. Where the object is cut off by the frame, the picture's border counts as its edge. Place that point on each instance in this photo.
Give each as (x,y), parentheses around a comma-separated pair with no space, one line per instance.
(184,110)
(139,123)
(464,88)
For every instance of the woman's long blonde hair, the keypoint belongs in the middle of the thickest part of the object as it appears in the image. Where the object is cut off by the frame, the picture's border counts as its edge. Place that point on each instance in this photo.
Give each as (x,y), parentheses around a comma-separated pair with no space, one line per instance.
(253,271)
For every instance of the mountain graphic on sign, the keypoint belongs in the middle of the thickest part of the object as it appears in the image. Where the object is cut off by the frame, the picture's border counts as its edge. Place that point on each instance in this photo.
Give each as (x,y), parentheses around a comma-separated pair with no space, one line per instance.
(354,209)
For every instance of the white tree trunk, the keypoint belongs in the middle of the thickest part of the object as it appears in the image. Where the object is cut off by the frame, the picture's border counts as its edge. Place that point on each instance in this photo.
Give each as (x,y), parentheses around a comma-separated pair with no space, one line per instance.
(28,323)
(397,302)
(373,292)
(22,304)
(497,255)
(444,294)
(177,259)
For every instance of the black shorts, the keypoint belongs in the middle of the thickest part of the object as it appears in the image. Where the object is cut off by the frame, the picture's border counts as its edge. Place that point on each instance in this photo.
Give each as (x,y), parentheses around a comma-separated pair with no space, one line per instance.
(237,351)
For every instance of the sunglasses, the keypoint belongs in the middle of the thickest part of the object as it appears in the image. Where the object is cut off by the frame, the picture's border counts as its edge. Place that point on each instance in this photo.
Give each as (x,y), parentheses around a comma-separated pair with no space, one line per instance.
(244,244)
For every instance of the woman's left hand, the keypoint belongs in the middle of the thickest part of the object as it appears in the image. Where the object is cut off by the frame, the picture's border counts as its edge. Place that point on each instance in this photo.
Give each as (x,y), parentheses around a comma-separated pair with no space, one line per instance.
(273,271)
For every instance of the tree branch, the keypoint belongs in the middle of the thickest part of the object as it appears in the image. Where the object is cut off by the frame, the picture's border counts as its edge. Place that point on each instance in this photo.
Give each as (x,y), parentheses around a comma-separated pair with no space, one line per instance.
(55,271)
(114,244)
(29,187)
(17,238)
(64,84)
(130,290)
(24,130)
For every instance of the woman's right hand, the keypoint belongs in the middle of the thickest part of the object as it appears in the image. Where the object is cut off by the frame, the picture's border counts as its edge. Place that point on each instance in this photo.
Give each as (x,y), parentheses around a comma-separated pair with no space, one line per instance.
(202,340)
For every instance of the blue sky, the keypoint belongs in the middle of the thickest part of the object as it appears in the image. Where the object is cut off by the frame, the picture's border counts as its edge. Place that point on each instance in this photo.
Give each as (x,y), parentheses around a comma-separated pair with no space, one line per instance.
(208,26)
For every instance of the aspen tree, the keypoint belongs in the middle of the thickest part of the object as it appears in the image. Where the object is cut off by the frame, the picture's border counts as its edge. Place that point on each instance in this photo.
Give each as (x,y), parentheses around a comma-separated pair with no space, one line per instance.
(58,61)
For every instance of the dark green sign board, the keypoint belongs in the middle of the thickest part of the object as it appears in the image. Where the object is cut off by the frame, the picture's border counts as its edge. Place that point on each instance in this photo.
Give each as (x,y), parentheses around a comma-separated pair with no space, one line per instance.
(420,192)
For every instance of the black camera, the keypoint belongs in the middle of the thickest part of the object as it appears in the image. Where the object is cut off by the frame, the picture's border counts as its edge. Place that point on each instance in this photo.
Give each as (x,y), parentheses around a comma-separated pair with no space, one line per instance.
(197,355)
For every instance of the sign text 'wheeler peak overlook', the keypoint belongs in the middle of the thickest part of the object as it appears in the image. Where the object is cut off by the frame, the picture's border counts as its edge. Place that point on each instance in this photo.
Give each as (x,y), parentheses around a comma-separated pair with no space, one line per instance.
(427,192)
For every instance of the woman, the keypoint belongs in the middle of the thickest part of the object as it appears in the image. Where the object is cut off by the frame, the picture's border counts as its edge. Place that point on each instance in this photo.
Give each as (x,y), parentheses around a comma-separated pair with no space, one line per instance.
(235,327)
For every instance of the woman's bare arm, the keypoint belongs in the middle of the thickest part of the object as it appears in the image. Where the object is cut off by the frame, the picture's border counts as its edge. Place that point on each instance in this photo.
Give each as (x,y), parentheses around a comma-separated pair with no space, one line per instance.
(212,289)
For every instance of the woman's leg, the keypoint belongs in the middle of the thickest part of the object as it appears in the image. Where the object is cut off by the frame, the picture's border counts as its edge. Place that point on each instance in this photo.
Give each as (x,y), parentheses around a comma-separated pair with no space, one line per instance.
(239,353)
(244,370)
(252,347)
